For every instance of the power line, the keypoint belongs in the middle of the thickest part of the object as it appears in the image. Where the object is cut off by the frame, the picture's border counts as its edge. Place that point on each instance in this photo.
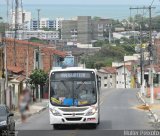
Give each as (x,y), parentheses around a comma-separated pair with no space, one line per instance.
(152,2)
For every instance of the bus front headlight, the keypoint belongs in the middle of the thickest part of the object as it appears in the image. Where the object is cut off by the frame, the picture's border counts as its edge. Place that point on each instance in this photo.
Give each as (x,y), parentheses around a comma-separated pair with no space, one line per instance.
(55,112)
(3,123)
(92,111)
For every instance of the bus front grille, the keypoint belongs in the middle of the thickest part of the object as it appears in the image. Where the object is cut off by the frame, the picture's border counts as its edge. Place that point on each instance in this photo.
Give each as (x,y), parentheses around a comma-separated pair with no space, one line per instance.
(67,114)
(73,109)
(73,119)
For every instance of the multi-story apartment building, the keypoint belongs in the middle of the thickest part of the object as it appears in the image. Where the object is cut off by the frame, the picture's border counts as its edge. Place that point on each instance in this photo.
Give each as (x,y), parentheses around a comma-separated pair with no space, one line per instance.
(58,23)
(84,29)
(22,18)
(33,24)
(69,30)
(99,28)
(24,35)
(46,23)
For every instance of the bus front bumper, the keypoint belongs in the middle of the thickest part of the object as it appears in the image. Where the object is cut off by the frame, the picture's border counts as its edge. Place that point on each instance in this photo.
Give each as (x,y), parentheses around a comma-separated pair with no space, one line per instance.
(93,119)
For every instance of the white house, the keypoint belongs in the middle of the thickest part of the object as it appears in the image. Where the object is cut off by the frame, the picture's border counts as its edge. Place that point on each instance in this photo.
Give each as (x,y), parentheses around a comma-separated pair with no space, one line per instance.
(123,77)
(108,77)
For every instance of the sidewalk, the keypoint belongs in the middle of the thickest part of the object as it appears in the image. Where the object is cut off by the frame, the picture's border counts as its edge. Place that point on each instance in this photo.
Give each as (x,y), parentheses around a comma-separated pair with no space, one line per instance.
(34,108)
(155,108)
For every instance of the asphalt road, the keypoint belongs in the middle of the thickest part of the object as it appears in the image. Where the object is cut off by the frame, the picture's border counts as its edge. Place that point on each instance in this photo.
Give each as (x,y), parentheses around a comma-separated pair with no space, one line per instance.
(118,112)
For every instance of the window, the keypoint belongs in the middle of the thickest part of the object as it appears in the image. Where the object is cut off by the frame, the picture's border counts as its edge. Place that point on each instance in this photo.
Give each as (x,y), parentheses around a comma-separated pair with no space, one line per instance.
(105,85)
(110,76)
(117,82)
(105,77)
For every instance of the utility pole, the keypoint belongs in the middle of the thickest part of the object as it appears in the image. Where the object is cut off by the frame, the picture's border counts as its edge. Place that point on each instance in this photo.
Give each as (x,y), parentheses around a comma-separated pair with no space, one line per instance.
(151,56)
(141,58)
(124,74)
(27,59)
(109,27)
(150,50)
(38,10)
(16,28)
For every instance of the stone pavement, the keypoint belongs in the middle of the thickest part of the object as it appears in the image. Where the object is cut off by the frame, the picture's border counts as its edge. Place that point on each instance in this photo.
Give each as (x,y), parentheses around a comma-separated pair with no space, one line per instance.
(34,108)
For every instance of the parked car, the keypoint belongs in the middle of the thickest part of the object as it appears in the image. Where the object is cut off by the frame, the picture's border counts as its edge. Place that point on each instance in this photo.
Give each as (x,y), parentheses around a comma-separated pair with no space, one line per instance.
(7,123)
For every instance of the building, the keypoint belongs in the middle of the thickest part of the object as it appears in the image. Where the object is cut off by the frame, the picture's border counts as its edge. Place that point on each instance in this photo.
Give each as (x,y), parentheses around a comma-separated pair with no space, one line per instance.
(84,29)
(101,28)
(126,76)
(22,17)
(37,53)
(108,77)
(69,31)
(58,23)
(41,34)
(22,61)
(33,24)
(125,34)
(43,22)
(46,23)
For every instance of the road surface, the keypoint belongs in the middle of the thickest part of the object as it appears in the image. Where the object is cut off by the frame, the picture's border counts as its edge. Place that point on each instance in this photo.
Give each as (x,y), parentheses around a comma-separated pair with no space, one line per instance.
(118,112)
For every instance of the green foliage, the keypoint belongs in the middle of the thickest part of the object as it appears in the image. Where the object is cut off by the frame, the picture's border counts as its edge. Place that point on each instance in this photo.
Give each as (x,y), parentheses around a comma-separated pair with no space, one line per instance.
(36,40)
(100,43)
(2,27)
(38,77)
(116,23)
(96,18)
(108,54)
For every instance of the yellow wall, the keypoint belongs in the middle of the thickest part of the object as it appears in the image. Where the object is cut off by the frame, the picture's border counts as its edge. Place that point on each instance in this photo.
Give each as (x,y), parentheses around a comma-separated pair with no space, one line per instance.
(132,82)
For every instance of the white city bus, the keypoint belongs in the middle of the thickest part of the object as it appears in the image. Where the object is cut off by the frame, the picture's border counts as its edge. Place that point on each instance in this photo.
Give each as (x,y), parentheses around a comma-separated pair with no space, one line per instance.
(74,97)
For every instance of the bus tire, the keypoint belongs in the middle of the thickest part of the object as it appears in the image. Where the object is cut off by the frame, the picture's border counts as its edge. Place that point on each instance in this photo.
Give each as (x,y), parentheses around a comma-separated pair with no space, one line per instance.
(98,120)
(56,126)
(93,126)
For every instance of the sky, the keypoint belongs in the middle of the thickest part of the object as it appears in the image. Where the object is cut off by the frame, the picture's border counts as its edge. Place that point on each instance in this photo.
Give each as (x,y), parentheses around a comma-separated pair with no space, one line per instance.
(83,2)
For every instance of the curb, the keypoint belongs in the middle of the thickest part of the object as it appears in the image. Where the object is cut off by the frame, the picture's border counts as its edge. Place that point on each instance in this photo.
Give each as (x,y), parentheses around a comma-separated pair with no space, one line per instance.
(156,119)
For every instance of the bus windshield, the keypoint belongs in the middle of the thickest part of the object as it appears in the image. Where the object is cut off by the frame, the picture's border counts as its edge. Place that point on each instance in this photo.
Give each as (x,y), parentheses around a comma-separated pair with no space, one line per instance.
(73,88)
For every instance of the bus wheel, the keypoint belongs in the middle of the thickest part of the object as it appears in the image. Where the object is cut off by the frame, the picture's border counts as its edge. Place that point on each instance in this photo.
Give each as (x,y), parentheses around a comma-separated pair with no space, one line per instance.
(93,126)
(56,126)
(98,120)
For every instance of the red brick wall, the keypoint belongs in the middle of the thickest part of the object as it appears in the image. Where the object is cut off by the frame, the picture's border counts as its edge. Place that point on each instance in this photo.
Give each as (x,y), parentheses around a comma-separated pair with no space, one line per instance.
(21,54)
(21,58)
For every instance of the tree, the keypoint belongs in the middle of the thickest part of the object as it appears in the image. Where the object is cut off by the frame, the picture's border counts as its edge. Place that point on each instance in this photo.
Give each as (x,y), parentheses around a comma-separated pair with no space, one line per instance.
(38,77)
(96,18)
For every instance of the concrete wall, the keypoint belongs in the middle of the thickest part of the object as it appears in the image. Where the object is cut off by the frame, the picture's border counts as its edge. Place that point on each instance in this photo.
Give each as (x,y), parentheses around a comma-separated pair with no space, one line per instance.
(84,29)
(67,27)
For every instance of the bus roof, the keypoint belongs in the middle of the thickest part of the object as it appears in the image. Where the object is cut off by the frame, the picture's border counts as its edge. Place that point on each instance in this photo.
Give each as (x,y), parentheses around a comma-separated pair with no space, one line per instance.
(72,69)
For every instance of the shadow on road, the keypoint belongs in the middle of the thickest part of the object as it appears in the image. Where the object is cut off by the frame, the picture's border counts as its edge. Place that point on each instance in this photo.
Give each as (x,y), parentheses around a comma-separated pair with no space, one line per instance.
(75,127)
(106,124)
